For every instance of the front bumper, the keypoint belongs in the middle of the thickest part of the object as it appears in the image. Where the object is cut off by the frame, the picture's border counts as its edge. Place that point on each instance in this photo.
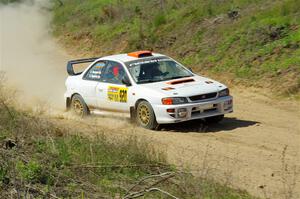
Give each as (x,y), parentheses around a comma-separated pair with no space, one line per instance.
(219,106)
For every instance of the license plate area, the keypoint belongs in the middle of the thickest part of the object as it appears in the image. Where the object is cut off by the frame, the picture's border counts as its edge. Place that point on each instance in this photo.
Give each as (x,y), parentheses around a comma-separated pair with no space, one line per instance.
(204,107)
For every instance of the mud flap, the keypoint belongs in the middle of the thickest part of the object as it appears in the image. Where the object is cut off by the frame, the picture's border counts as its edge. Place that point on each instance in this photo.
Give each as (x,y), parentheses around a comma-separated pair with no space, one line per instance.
(132,115)
(68,103)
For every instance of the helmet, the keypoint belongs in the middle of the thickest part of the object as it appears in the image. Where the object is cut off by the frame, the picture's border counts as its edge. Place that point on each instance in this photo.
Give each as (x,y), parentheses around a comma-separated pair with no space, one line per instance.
(116,70)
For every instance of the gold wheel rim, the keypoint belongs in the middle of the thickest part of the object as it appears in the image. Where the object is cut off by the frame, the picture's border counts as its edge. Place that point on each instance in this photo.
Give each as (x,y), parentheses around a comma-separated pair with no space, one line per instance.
(78,107)
(144,114)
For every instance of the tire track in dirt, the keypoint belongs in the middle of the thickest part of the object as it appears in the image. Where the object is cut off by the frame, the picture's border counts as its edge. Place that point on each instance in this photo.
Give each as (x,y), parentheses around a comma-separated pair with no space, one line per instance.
(256,148)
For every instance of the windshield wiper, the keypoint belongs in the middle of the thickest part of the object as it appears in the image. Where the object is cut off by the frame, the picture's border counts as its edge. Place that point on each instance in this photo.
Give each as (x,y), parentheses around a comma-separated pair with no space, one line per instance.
(147,81)
(160,80)
(177,77)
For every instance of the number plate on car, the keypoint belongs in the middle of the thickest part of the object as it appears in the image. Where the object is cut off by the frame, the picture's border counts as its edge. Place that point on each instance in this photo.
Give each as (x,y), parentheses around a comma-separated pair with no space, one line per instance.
(207,106)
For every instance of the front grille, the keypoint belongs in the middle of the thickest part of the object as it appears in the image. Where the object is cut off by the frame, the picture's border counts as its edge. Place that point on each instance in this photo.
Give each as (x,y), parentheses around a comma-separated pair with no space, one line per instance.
(203,96)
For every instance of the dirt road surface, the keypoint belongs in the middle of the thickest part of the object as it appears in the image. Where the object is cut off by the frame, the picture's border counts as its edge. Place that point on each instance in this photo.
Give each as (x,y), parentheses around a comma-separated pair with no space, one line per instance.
(257,148)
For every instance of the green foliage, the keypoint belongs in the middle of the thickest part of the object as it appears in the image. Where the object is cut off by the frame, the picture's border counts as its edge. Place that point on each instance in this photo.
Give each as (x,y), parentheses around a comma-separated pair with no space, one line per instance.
(9,1)
(3,173)
(159,20)
(30,171)
(260,41)
(53,162)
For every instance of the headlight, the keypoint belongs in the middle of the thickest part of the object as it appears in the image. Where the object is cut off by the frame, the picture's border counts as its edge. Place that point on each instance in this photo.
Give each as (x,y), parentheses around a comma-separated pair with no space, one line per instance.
(174,100)
(224,92)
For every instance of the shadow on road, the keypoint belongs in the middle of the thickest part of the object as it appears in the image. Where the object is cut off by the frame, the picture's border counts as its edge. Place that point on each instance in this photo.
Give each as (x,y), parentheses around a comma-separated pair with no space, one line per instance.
(201,126)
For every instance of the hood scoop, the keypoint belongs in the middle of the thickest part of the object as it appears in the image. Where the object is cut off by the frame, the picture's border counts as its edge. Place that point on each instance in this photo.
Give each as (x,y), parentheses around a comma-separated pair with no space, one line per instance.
(181,81)
(168,88)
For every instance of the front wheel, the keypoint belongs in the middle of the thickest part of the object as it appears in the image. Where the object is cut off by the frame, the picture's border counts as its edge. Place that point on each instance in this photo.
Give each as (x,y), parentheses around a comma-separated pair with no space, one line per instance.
(214,119)
(79,107)
(145,116)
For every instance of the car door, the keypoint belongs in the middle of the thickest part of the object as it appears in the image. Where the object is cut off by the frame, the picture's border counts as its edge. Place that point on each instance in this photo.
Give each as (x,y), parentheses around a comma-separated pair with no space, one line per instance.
(91,79)
(111,86)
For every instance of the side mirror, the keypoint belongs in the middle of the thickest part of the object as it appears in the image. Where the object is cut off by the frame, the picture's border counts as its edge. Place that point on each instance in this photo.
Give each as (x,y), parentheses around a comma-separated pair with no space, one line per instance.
(126,81)
(191,69)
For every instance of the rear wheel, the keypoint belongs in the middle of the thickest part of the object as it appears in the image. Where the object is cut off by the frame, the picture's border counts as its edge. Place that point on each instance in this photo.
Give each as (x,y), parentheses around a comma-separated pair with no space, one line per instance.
(214,119)
(79,107)
(145,115)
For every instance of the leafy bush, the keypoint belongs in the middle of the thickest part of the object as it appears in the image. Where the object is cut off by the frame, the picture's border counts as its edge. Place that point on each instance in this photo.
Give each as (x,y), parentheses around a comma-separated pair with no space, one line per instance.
(159,20)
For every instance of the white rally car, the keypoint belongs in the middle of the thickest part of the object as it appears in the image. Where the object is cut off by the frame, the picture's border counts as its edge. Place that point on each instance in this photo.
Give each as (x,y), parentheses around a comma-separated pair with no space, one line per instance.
(153,88)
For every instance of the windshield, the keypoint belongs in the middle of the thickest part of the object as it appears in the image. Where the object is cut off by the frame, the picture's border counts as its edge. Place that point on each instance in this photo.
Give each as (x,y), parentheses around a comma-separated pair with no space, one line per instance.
(155,70)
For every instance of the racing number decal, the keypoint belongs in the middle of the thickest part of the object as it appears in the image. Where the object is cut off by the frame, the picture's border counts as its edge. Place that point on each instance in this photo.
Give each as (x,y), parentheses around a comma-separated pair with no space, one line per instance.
(123,95)
(117,94)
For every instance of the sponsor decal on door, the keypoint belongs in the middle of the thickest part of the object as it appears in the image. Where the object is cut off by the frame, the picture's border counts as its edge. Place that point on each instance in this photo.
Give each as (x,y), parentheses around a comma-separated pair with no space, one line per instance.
(117,94)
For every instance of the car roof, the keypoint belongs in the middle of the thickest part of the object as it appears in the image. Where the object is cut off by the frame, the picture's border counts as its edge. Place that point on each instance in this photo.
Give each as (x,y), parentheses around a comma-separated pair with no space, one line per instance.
(126,57)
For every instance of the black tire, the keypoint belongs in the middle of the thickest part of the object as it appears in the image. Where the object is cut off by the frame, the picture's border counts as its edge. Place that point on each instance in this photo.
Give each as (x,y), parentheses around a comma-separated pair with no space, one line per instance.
(145,116)
(79,107)
(214,119)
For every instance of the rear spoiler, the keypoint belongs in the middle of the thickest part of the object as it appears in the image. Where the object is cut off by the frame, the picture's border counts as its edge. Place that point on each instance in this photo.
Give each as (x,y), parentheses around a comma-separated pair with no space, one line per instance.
(71,63)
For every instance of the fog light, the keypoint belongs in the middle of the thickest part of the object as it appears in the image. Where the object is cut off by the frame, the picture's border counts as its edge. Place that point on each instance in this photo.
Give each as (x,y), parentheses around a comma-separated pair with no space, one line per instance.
(229,102)
(182,112)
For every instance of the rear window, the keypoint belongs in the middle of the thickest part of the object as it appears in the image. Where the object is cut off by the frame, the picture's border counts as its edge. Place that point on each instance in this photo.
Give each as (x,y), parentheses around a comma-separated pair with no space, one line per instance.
(95,71)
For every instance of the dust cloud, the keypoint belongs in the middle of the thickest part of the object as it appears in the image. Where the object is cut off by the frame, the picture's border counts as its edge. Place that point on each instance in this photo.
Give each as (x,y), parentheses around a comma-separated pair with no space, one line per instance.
(31,59)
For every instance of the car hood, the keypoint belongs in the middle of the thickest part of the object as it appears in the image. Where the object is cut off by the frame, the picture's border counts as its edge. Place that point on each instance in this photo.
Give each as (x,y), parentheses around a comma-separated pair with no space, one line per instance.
(185,87)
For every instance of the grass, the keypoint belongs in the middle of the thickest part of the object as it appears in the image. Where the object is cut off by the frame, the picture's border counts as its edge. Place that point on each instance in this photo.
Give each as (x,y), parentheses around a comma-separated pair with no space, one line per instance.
(40,159)
(9,1)
(260,45)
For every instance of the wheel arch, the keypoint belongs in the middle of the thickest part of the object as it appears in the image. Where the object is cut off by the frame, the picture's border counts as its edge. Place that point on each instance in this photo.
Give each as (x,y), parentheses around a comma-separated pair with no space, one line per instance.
(138,101)
(69,100)
(133,108)
(152,122)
